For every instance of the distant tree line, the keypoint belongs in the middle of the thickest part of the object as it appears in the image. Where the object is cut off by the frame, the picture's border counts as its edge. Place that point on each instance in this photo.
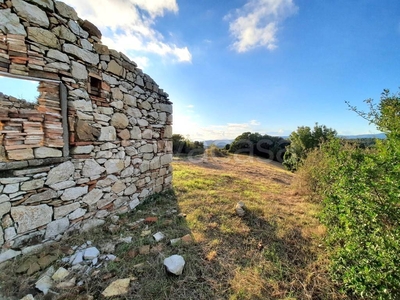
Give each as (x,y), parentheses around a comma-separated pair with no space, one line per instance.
(182,145)
(266,146)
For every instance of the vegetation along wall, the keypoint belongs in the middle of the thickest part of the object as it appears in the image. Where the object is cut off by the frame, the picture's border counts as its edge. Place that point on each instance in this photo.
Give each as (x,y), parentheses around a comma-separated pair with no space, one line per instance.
(98,140)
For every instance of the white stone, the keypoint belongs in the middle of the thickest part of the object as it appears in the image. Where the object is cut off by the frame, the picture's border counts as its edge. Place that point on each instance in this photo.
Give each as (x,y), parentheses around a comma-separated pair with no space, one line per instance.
(166,159)
(31,13)
(9,233)
(158,236)
(45,152)
(36,249)
(110,79)
(86,45)
(9,254)
(79,94)
(175,241)
(79,71)
(11,188)
(56,227)
(104,154)
(60,173)
(114,166)
(92,168)
(117,288)
(32,184)
(174,264)
(74,193)
(66,11)
(4,208)
(10,23)
(60,274)
(44,284)
(82,54)
(165,108)
(58,55)
(101,117)
(77,258)
(92,197)
(143,122)
(130,100)
(118,187)
(81,105)
(135,202)
(58,65)
(130,190)
(117,104)
(146,148)
(64,210)
(13,180)
(4,198)
(108,134)
(28,297)
(92,223)
(83,149)
(168,132)
(83,116)
(80,212)
(91,253)
(62,185)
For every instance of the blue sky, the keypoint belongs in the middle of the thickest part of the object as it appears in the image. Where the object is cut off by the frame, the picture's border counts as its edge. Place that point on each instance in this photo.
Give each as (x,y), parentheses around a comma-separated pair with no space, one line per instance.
(264,66)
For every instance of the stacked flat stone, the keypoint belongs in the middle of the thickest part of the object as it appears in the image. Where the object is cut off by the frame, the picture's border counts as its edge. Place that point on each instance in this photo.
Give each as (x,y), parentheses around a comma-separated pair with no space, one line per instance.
(118,133)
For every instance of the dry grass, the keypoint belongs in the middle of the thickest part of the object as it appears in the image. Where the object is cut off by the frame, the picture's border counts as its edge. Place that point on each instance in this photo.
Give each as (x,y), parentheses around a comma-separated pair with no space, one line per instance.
(273,252)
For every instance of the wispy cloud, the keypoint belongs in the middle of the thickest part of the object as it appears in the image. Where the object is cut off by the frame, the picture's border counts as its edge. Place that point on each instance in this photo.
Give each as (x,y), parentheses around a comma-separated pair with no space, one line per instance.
(187,126)
(256,24)
(129,26)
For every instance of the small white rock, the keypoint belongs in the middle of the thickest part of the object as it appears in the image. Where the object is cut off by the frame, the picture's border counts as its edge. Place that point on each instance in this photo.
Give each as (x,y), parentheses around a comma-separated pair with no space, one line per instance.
(60,274)
(158,236)
(91,253)
(44,284)
(175,241)
(174,264)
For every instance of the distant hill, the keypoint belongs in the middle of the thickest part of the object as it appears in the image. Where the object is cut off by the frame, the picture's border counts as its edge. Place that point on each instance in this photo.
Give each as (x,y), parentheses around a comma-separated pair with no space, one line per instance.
(365,136)
(218,143)
(222,143)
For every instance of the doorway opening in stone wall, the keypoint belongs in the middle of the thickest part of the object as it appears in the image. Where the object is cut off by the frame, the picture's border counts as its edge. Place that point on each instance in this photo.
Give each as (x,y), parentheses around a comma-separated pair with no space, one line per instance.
(33,119)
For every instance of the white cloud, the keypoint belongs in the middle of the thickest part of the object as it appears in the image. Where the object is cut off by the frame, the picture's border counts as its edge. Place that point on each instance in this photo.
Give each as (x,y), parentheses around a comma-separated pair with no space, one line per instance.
(128,25)
(256,24)
(187,126)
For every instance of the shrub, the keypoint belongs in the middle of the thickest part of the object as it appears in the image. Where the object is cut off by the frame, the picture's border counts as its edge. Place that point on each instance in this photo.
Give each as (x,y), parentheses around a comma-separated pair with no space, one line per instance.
(302,141)
(270,147)
(214,151)
(361,206)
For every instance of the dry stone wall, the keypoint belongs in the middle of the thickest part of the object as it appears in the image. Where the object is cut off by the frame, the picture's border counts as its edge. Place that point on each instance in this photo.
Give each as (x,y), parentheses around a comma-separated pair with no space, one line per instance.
(97,143)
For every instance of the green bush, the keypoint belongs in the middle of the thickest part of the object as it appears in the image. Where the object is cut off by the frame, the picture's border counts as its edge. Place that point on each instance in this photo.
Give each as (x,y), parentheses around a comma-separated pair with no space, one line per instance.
(214,151)
(361,206)
(303,140)
(266,146)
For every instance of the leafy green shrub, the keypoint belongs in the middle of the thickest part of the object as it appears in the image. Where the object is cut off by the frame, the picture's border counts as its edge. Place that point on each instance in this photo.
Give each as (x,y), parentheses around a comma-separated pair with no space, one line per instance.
(214,151)
(361,206)
(182,145)
(270,147)
(302,141)
(312,177)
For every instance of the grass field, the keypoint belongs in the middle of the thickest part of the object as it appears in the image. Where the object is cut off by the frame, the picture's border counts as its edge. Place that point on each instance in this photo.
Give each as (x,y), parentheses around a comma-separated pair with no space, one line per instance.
(275,251)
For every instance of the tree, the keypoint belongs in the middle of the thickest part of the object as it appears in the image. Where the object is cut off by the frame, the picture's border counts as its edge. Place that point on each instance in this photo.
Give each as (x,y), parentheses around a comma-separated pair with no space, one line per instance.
(302,141)
(271,147)
(186,146)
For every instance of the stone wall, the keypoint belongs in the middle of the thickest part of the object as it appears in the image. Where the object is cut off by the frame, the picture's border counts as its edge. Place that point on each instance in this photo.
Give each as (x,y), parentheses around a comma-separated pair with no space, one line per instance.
(97,143)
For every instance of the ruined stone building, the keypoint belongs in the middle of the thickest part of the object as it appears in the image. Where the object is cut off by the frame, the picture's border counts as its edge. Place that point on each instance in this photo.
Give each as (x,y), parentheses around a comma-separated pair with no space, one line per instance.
(96,142)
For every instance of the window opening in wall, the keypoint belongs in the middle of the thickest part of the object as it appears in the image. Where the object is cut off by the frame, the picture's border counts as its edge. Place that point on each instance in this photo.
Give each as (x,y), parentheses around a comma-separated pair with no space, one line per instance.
(22,91)
(31,119)
(94,85)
